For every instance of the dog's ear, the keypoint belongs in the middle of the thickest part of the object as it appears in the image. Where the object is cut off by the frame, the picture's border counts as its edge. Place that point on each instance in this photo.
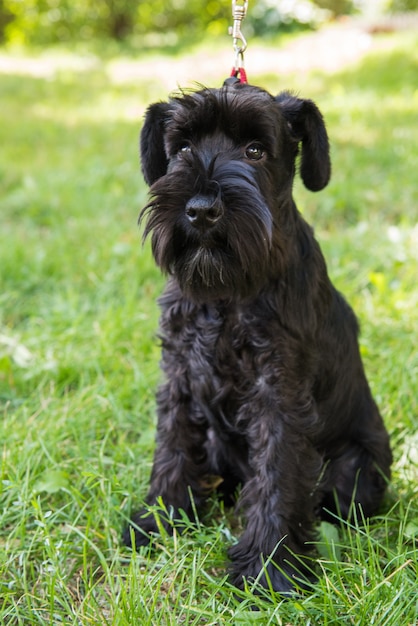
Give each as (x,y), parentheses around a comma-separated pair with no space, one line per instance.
(307,125)
(153,155)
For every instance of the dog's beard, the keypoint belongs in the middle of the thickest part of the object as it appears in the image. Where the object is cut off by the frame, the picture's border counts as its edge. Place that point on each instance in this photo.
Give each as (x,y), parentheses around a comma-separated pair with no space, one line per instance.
(228,260)
(206,272)
(234,264)
(205,267)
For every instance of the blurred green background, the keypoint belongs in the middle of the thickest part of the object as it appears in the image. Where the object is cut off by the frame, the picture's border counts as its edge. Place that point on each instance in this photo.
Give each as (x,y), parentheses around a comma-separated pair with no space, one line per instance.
(49,21)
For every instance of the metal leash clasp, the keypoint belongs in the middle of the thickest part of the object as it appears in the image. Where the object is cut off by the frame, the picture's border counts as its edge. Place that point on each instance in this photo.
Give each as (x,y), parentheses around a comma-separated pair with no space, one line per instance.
(239,11)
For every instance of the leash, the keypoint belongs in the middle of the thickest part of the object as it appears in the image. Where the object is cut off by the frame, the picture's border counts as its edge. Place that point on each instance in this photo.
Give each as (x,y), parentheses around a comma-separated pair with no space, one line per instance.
(238,73)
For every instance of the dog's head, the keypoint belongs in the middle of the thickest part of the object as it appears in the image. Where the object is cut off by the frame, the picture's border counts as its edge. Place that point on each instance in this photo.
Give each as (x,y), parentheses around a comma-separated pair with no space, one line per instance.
(221,163)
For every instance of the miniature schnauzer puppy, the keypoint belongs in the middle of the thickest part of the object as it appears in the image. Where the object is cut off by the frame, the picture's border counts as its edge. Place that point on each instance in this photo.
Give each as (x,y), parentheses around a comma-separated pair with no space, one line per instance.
(263,387)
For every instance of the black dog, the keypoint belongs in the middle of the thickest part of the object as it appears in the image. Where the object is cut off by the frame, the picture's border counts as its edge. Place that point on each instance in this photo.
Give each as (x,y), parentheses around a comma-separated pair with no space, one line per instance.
(264,384)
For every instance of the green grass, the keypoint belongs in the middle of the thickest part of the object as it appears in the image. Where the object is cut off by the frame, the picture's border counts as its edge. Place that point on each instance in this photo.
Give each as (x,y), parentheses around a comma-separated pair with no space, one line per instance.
(79,359)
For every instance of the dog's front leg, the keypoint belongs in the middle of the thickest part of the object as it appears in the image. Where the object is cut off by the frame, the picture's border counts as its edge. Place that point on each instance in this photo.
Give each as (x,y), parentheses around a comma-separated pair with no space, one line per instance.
(179,465)
(278,504)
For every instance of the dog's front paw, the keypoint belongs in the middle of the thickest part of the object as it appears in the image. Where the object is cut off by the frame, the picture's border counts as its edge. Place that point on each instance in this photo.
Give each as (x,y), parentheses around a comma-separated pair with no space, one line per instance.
(257,573)
(285,578)
(142,528)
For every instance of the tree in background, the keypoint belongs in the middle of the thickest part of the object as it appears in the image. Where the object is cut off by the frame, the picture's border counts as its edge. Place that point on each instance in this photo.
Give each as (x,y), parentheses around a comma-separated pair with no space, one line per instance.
(46,21)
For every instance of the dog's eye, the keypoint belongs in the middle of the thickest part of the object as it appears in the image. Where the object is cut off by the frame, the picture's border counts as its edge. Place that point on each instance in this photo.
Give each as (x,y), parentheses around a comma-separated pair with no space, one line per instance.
(185,148)
(254,151)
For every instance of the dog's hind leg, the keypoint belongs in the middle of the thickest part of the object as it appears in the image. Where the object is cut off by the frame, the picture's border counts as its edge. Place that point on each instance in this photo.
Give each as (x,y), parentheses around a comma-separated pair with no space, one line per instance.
(355,482)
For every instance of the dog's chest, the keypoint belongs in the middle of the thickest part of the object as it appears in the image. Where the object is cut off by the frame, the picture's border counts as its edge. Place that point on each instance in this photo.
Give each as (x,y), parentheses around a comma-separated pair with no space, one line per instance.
(223,353)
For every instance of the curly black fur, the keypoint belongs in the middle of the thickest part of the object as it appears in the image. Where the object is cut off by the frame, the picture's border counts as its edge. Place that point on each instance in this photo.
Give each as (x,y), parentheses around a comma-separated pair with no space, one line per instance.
(264,384)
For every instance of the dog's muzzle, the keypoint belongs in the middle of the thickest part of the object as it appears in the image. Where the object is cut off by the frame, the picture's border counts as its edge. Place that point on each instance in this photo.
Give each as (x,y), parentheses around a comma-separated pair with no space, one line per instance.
(204,211)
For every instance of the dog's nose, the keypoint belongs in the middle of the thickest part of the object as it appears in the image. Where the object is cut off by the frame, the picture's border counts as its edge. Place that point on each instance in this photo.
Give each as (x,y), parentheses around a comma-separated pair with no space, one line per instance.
(203,211)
